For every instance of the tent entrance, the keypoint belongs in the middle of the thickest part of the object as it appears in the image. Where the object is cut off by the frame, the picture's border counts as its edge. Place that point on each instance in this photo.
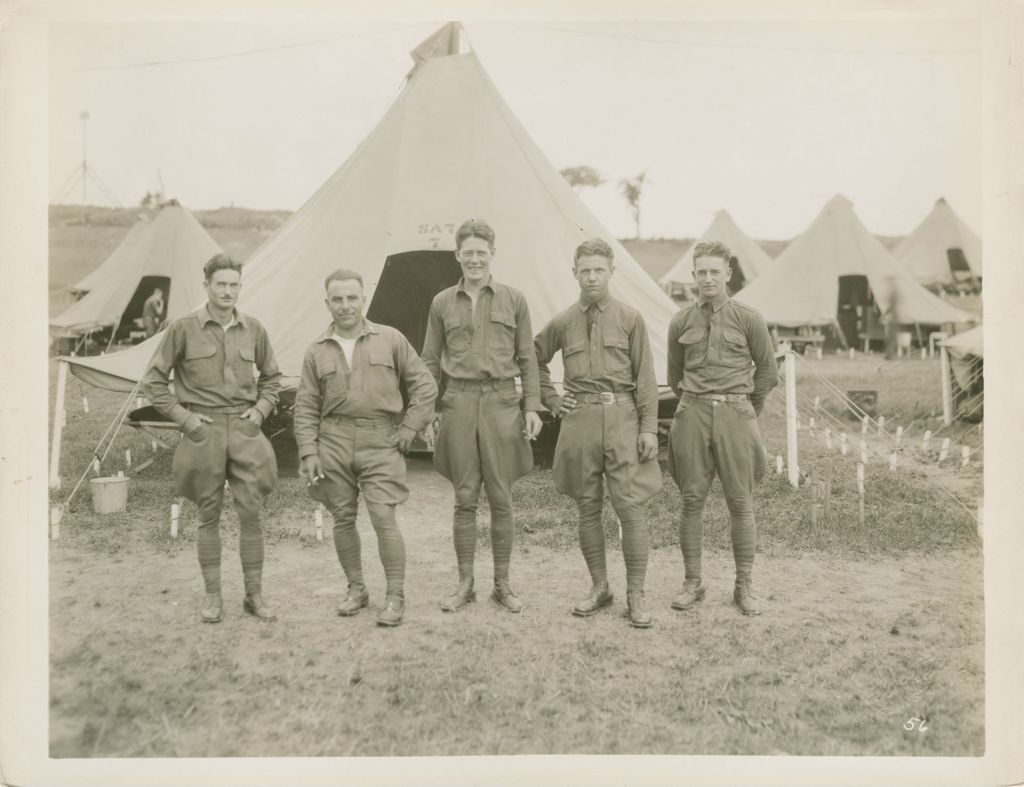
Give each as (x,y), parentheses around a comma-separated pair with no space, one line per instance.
(408,283)
(131,317)
(858,315)
(963,277)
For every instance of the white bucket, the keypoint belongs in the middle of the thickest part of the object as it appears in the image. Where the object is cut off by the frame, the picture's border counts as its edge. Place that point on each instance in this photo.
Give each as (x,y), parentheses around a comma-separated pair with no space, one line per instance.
(109,494)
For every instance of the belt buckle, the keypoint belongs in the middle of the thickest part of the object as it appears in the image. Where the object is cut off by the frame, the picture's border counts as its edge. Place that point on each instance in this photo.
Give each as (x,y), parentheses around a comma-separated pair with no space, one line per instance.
(607,397)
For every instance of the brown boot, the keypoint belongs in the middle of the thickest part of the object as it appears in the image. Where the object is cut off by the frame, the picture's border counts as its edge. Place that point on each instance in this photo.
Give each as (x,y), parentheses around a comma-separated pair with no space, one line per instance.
(503,595)
(253,602)
(693,591)
(391,615)
(356,598)
(213,609)
(463,595)
(599,598)
(744,596)
(639,617)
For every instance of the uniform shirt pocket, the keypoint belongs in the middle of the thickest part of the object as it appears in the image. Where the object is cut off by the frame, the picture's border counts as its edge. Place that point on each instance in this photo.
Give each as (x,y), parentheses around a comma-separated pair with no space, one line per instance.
(502,337)
(333,383)
(734,349)
(201,366)
(694,348)
(616,352)
(457,337)
(245,368)
(382,382)
(576,361)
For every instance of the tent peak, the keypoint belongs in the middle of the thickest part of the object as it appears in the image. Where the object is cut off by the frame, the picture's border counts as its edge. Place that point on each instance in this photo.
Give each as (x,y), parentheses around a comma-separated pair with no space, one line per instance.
(441,43)
(839,201)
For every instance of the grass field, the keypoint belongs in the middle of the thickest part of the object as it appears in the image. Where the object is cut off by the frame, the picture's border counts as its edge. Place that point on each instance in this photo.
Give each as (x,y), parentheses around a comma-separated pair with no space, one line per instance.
(865,627)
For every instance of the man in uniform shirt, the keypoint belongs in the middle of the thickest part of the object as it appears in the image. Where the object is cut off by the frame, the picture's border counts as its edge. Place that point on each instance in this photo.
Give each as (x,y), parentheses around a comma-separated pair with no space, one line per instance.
(609,423)
(214,354)
(153,312)
(478,340)
(352,429)
(721,362)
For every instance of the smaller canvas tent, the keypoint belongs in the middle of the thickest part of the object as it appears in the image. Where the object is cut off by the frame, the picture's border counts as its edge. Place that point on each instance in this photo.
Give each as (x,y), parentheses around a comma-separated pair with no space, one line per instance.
(169,254)
(840,275)
(749,259)
(942,252)
(128,250)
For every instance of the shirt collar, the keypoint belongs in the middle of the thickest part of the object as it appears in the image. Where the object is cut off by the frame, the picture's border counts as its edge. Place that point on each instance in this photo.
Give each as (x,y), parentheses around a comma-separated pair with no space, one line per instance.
(490,284)
(602,304)
(717,303)
(367,327)
(204,316)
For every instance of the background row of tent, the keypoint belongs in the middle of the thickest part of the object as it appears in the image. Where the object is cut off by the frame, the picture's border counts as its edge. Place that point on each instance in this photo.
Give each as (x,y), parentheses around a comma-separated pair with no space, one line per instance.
(449,148)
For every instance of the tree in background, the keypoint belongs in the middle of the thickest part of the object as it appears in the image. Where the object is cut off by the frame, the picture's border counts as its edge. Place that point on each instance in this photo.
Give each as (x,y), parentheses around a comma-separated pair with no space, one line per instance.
(631,189)
(582,177)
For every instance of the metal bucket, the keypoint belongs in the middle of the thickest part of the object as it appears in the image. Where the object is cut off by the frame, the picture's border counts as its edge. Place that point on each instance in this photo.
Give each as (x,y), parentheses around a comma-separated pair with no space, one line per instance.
(110,494)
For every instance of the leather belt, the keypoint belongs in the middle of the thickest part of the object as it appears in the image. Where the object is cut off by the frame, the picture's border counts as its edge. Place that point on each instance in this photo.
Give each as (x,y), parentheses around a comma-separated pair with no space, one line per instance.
(363,423)
(231,409)
(481,385)
(605,397)
(717,397)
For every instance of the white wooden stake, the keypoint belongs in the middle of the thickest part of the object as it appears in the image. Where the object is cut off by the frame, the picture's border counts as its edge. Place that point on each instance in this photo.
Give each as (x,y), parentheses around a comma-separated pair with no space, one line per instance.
(947,387)
(791,446)
(899,435)
(120,473)
(924,441)
(810,423)
(96,466)
(863,452)
(318,521)
(128,457)
(817,403)
(58,424)
(828,438)
(819,353)
(924,353)
(154,446)
(842,443)
(965,456)
(778,465)
(892,461)
(853,353)
(944,451)
(175,513)
(881,423)
(85,404)
(864,425)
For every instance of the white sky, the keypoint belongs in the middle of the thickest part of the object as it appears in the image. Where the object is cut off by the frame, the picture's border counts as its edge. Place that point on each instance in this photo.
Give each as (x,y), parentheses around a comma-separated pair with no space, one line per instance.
(765,119)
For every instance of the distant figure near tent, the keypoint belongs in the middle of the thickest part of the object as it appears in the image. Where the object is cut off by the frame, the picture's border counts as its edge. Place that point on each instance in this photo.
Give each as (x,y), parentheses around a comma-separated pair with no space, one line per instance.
(153,312)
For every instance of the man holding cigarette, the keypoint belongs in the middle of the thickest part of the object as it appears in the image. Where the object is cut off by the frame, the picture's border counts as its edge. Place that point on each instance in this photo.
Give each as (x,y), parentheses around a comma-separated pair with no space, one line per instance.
(353,428)
(478,341)
(609,423)
(215,354)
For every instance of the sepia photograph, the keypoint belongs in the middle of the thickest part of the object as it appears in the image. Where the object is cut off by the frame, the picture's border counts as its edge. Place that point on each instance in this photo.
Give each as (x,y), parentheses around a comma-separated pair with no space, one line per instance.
(511,384)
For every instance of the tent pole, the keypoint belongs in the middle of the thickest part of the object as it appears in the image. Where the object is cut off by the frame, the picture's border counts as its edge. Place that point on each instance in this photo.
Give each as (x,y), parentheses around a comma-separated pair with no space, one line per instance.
(791,452)
(947,387)
(58,424)
(113,330)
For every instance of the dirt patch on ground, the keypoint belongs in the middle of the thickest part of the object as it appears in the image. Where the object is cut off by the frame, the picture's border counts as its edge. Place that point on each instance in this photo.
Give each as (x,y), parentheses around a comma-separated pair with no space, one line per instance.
(844,655)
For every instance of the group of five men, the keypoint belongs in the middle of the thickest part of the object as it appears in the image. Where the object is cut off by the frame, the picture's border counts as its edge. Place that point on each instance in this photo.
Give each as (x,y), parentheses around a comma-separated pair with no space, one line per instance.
(364,394)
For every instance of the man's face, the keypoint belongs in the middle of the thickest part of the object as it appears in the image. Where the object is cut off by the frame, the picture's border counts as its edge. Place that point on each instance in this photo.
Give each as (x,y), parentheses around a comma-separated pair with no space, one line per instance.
(593,273)
(345,301)
(475,258)
(222,288)
(711,275)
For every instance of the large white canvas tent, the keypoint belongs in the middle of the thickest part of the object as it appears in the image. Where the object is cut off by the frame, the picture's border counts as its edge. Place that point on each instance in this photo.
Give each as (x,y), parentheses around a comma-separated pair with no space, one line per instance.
(169,253)
(837,274)
(747,262)
(942,251)
(448,149)
(123,257)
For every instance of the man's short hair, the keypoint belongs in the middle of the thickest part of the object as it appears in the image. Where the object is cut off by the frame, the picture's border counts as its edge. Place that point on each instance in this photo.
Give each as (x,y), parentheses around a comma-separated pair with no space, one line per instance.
(220,262)
(712,248)
(343,274)
(594,246)
(474,228)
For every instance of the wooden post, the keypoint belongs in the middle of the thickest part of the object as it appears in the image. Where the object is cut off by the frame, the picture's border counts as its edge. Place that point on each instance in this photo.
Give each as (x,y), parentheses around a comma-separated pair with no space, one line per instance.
(175,513)
(947,387)
(128,458)
(318,521)
(924,353)
(892,461)
(85,404)
(58,424)
(881,423)
(828,438)
(899,435)
(863,452)
(791,448)
(864,425)
(965,456)
(96,466)
(829,470)
(924,441)
(842,443)
(853,353)
(819,353)
(944,451)
(860,494)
